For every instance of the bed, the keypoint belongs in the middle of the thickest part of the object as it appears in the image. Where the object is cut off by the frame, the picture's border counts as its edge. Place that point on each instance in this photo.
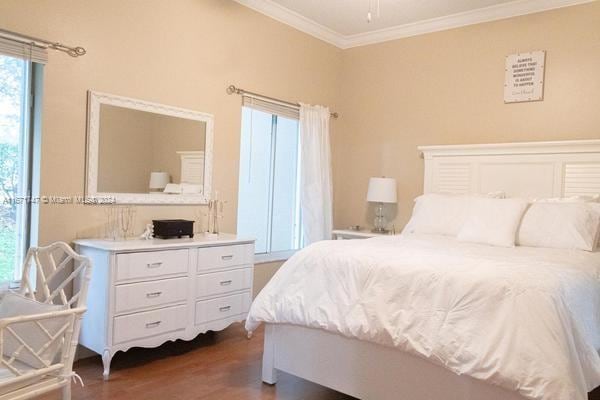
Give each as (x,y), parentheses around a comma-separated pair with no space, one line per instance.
(457,311)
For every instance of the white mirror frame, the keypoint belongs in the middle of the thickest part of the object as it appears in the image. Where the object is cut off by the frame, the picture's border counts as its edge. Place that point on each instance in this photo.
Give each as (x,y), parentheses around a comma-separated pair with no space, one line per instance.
(95,99)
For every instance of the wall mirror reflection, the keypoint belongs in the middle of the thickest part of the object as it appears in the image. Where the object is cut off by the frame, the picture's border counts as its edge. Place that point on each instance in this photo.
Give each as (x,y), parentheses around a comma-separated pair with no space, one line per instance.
(147,153)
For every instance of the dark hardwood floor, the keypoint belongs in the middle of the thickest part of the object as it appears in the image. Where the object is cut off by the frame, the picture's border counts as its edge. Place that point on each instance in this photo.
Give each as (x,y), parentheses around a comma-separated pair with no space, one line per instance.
(223,365)
(214,366)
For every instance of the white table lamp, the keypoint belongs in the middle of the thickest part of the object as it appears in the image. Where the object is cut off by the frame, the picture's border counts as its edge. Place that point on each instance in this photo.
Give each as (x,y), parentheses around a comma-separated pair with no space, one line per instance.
(381,190)
(158,181)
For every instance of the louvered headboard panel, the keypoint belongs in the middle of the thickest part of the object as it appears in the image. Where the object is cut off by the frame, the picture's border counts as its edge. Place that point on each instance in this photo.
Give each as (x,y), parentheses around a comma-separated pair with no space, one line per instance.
(582,179)
(534,169)
(453,177)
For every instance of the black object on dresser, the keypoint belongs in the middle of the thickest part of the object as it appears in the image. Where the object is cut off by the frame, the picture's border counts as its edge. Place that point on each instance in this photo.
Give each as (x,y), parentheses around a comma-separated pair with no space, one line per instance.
(170,228)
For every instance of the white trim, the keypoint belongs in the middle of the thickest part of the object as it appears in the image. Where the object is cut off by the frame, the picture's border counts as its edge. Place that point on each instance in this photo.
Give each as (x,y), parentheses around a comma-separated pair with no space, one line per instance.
(95,99)
(295,20)
(487,14)
(273,256)
(493,13)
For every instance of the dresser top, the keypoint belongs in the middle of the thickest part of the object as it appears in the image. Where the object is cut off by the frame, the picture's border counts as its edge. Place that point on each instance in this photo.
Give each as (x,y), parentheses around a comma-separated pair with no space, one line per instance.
(199,240)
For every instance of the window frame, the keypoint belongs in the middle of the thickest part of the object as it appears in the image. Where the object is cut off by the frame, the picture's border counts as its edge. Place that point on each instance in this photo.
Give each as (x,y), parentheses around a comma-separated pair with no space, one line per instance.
(279,255)
(27,219)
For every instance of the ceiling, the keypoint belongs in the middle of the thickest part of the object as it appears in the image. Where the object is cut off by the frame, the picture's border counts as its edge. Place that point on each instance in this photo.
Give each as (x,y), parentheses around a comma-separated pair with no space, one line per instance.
(344,22)
(350,17)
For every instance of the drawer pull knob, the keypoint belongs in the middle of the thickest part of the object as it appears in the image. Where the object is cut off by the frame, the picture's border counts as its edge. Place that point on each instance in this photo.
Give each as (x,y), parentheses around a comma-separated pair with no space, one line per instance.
(153,324)
(155,265)
(153,294)
(226,308)
(229,257)
(226,283)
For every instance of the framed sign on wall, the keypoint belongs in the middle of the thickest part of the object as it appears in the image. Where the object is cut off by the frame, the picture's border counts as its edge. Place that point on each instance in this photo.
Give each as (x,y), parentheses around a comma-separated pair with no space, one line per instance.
(524,77)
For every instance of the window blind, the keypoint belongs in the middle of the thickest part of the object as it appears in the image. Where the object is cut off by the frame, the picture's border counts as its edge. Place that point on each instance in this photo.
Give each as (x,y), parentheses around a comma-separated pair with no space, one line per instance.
(25,51)
(278,109)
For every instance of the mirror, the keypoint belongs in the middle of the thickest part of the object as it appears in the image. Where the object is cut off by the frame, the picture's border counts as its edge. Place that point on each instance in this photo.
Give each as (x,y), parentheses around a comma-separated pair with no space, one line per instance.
(147,153)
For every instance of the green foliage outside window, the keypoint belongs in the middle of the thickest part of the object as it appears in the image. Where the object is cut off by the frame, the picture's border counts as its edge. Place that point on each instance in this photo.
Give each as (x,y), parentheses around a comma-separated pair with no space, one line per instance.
(11,116)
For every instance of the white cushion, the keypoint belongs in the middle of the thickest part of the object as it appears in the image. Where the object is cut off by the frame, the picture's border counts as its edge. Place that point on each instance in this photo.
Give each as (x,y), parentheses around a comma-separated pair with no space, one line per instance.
(442,214)
(562,225)
(8,383)
(493,221)
(15,305)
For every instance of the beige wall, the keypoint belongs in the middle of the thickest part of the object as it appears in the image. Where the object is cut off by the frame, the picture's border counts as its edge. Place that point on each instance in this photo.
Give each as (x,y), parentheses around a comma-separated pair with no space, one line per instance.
(262,275)
(182,53)
(439,88)
(447,88)
(124,150)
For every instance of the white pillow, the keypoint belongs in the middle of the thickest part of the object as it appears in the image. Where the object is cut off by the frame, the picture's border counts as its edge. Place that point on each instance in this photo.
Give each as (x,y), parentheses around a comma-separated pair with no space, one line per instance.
(441,214)
(493,221)
(15,305)
(560,225)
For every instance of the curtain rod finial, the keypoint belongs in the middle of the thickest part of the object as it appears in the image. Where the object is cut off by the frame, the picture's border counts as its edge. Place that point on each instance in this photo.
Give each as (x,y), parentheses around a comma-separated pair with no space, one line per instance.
(76,52)
(231,89)
(80,51)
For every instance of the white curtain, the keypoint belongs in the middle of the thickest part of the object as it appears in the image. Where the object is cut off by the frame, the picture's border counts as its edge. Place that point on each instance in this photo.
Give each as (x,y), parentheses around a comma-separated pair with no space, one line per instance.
(316,195)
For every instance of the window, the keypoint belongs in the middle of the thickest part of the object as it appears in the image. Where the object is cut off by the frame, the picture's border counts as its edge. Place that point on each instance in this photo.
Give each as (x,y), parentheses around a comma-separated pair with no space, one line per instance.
(268,203)
(16,148)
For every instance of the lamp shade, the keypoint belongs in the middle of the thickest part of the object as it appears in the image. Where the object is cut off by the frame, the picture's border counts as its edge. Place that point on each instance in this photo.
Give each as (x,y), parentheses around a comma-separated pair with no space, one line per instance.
(382,190)
(158,180)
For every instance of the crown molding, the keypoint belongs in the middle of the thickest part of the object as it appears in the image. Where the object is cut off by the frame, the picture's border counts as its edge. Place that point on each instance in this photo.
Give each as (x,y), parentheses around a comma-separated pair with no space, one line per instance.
(486,14)
(295,20)
(493,13)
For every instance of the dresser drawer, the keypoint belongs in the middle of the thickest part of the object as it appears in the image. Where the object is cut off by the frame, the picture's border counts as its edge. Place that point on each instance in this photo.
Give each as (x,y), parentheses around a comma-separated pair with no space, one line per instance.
(149,323)
(224,256)
(136,296)
(222,307)
(223,282)
(151,264)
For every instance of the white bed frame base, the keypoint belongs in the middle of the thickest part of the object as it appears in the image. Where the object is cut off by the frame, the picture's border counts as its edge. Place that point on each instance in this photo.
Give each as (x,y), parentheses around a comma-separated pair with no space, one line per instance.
(365,370)
(370,371)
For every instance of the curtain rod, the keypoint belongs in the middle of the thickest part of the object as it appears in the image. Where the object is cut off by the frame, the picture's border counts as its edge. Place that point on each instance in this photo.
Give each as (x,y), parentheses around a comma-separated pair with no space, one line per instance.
(231,89)
(42,43)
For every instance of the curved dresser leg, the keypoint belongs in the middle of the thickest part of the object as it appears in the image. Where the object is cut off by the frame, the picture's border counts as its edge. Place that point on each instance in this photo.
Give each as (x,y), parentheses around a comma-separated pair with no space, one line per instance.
(106,357)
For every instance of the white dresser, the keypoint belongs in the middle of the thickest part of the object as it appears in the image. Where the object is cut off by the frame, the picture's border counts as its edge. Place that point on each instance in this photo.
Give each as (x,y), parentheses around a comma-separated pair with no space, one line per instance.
(146,292)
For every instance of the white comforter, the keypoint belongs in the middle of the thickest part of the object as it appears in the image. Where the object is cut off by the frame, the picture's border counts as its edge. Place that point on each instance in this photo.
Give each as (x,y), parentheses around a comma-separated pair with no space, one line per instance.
(526,319)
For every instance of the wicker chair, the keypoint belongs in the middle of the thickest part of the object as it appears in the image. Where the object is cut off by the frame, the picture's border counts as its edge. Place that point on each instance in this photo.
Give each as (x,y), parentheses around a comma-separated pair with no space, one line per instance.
(62,279)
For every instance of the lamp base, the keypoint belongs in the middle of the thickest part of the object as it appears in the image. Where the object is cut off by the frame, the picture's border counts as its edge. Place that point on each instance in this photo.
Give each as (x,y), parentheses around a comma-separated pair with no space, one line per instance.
(379,222)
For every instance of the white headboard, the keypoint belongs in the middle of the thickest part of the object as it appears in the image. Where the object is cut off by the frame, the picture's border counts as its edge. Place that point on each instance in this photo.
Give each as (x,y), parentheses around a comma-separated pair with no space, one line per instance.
(535,169)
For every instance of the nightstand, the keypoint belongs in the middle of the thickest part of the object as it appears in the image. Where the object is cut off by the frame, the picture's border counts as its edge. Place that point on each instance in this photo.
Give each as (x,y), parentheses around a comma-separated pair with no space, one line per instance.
(343,234)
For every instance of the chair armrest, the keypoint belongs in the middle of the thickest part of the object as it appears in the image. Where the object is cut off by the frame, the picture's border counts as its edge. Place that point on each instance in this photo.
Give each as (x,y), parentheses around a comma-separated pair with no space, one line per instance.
(42,316)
